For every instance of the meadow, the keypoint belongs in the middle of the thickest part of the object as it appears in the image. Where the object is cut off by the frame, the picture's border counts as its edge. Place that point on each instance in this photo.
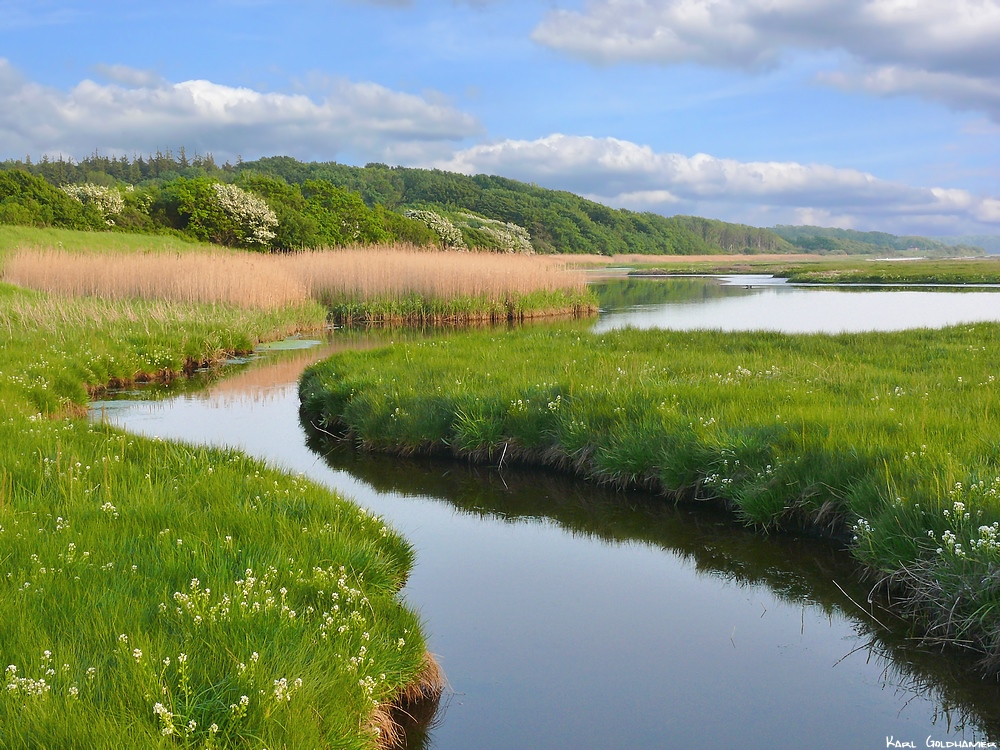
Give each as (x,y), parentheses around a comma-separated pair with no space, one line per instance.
(884,441)
(166,595)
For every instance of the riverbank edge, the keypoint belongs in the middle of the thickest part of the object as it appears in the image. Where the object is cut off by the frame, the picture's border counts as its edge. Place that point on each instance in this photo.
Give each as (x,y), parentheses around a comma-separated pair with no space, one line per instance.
(908,592)
(429,683)
(420,311)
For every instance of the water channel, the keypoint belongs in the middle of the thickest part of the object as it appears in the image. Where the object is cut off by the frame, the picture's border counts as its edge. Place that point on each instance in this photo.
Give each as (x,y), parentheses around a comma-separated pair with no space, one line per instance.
(565,615)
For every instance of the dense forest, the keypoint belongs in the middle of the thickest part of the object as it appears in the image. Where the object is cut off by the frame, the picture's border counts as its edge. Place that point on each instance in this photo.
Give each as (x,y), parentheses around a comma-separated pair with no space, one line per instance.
(279,203)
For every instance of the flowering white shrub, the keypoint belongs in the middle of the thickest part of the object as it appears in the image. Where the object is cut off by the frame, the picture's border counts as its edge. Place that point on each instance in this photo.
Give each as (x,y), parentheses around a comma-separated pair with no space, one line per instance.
(450,234)
(107,200)
(510,237)
(254,218)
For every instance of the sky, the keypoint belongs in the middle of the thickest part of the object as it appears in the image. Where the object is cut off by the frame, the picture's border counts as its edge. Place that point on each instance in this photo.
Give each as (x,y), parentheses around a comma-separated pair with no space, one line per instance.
(864,114)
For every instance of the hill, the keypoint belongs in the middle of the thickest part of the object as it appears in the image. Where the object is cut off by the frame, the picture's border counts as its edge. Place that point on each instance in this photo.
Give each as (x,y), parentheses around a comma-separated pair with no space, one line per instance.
(825,240)
(328,204)
(988,242)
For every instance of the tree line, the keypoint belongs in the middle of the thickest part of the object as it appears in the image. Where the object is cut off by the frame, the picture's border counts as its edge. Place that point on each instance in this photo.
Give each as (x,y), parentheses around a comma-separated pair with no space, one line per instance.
(323,204)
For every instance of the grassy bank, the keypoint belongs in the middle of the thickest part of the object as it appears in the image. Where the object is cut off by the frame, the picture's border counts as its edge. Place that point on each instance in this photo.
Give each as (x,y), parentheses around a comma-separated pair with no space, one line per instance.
(936,271)
(885,440)
(162,595)
(370,286)
(847,270)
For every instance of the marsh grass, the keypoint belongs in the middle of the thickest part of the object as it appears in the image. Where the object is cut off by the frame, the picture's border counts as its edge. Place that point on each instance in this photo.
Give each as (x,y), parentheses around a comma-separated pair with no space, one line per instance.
(817,269)
(164,595)
(886,441)
(372,285)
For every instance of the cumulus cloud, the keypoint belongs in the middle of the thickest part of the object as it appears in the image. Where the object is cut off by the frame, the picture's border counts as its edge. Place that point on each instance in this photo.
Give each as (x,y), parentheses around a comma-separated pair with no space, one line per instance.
(964,92)
(621,173)
(137,110)
(942,49)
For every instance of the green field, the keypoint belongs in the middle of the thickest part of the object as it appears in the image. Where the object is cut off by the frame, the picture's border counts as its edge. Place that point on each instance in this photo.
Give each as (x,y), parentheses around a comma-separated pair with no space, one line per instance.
(887,441)
(163,595)
(846,270)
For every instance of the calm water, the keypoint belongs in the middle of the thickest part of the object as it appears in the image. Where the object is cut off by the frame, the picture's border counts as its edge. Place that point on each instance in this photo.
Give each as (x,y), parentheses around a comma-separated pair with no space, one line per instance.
(568,616)
(748,303)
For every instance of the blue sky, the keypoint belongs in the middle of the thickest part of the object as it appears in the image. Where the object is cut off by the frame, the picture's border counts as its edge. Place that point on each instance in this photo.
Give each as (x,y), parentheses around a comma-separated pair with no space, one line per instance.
(871,114)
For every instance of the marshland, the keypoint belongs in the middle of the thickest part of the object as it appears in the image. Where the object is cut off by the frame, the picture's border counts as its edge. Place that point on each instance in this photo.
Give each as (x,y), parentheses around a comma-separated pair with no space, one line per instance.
(845,479)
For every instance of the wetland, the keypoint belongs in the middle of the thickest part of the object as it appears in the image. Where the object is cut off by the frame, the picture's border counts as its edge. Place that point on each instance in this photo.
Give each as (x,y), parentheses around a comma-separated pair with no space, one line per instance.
(570,614)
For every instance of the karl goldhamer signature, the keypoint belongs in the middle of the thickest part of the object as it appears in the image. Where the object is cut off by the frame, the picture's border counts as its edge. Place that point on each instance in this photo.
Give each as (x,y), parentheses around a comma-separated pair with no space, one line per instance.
(891,741)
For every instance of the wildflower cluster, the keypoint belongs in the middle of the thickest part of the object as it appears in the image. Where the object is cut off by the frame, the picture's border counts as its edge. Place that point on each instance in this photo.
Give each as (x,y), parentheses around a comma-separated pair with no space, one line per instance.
(108,201)
(742,373)
(967,537)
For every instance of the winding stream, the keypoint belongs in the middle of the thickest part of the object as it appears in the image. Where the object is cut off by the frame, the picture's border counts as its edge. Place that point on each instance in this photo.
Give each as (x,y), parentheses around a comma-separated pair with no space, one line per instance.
(565,615)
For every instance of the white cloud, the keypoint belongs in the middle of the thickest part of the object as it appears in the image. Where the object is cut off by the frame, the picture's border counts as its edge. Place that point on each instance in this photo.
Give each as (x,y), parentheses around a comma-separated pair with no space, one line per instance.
(963,92)
(137,111)
(941,49)
(621,173)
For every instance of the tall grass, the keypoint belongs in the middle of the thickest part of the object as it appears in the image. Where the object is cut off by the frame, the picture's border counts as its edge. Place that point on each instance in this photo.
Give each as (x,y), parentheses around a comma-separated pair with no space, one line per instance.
(164,595)
(359,285)
(888,440)
(247,279)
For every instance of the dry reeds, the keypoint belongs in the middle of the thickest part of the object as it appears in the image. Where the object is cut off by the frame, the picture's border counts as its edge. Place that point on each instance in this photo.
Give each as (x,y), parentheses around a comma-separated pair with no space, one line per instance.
(391,272)
(271,281)
(236,278)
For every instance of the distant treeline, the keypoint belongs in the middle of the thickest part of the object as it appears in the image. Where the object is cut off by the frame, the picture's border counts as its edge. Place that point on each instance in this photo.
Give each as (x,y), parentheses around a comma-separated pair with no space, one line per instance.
(851,242)
(988,242)
(279,203)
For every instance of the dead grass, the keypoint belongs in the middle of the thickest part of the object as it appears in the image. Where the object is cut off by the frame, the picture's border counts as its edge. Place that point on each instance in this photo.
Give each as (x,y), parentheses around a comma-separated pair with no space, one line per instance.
(236,278)
(387,272)
(416,704)
(273,281)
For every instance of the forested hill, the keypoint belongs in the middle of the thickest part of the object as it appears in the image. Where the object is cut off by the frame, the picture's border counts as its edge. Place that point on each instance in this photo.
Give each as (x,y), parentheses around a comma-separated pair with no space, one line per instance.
(280,203)
(839,241)
(556,221)
(322,204)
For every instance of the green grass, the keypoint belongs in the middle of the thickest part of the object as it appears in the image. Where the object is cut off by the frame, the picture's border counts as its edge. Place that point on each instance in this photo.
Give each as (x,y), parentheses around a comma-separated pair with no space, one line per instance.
(888,441)
(937,271)
(15,237)
(150,586)
(416,309)
(848,270)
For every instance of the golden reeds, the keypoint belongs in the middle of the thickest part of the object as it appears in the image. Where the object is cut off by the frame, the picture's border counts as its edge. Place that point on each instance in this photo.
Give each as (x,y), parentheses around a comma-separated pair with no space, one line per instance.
(238,278)
(271,281)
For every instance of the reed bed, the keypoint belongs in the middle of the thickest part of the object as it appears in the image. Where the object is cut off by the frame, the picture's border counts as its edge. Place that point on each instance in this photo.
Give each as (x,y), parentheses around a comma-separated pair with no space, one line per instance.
(886,441)
(397,284)
(256,281)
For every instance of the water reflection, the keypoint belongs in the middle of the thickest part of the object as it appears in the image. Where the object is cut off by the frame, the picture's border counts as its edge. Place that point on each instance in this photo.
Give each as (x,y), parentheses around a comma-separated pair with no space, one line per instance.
(746,303)
(802,572)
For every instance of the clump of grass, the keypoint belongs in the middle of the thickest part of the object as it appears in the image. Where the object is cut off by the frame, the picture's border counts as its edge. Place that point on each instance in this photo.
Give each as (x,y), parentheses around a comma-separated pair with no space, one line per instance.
(865,437)
(173,595)
(380,285)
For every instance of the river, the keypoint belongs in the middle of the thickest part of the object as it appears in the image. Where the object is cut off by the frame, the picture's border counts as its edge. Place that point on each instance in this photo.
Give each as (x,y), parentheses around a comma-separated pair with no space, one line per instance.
(565,615)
